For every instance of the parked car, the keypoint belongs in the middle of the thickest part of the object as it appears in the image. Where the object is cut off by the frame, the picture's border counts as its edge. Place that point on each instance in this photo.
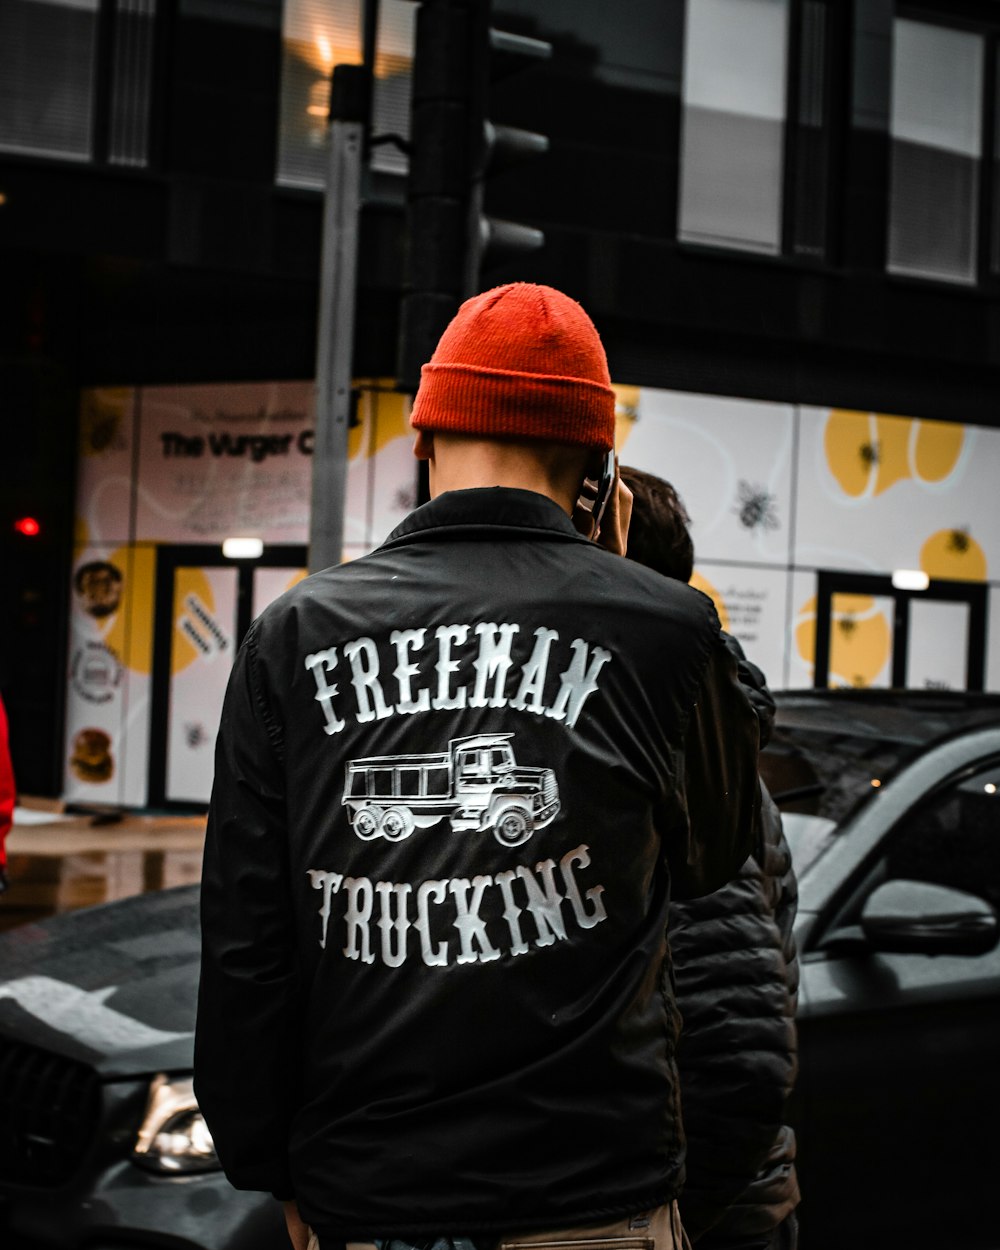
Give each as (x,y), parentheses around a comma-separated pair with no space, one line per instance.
(891,803)
(892,807)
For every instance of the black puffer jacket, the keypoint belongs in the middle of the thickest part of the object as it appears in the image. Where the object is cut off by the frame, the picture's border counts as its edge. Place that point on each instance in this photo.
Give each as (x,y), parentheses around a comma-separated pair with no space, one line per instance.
(737,981)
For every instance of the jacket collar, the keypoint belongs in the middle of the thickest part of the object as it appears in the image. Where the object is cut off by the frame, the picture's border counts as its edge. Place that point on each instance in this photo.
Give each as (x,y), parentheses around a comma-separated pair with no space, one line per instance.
(484,510)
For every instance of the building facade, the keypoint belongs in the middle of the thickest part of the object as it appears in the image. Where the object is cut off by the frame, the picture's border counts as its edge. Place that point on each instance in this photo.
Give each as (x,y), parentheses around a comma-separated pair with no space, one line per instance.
(782,215)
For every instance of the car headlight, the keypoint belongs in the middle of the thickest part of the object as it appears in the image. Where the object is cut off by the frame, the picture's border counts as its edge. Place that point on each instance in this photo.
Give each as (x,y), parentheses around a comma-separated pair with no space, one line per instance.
(174,1137)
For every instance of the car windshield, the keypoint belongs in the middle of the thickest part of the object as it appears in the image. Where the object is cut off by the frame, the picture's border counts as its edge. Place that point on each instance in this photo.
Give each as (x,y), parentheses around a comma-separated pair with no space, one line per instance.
(830,752)
(809,837)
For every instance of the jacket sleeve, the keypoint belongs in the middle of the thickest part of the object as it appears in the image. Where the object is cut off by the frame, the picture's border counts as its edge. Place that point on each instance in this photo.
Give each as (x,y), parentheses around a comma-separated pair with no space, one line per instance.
(245,1049)
(721,791)
(754,683)
(735,976)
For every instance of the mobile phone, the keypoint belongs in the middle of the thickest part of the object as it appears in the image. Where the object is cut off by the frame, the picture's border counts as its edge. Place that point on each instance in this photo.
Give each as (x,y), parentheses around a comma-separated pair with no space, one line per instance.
(597,491)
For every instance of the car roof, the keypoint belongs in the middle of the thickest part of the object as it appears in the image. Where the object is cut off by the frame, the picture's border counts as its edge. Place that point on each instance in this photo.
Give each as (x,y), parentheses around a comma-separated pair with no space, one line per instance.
(915,717)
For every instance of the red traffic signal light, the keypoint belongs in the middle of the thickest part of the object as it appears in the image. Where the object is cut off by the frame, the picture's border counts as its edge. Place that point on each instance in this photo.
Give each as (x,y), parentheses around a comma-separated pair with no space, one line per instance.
(28,526)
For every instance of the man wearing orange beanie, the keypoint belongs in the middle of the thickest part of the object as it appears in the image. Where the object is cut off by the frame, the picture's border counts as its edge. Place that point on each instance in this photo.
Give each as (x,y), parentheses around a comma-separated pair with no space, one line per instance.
(457,782)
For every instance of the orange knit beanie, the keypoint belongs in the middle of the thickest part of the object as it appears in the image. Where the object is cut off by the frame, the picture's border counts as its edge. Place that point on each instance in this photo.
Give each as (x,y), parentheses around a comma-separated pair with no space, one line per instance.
(520,361)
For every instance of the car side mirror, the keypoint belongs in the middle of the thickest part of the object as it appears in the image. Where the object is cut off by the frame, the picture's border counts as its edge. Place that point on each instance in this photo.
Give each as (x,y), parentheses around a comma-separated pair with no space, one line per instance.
(925,919)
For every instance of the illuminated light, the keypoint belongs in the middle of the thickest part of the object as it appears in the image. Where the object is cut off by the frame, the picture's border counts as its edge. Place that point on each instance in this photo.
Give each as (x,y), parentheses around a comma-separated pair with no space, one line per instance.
(319,99)
(3,199)
(910,579)
(243,548)
(990,788)
(325,51)
(875,783)
(28,526)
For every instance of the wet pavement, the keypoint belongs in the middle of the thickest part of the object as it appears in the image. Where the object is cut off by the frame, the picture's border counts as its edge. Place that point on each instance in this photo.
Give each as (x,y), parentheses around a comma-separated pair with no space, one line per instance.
(58,862)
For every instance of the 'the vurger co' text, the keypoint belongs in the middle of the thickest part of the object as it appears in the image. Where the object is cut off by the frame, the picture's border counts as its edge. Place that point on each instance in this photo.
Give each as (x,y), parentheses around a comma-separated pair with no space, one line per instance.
(255,447)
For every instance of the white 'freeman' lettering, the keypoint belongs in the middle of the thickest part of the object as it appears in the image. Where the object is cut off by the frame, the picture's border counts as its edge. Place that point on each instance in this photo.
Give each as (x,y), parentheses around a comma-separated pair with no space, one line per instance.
(447,914)
(436,670)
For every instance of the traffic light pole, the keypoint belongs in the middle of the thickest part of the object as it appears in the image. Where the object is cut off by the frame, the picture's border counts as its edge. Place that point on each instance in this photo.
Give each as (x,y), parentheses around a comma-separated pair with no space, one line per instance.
(439,180)
(335,338)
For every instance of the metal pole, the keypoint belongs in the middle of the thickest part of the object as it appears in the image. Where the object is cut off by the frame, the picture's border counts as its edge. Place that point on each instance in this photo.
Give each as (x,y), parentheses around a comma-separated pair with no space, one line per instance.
(335,343)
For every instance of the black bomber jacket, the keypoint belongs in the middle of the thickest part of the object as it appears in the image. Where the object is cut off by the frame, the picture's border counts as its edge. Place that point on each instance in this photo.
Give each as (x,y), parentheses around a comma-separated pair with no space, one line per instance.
(456,783)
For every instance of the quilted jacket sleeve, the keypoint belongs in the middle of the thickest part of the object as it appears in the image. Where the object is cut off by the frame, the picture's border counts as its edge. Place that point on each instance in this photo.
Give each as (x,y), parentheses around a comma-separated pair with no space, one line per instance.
(737,976)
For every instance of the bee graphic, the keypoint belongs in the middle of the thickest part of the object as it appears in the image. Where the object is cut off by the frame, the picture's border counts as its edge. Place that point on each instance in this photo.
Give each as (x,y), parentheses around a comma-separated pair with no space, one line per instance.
(195,734)
(870,453)
(405,499)
(958,540)
(847,625)
(756,507)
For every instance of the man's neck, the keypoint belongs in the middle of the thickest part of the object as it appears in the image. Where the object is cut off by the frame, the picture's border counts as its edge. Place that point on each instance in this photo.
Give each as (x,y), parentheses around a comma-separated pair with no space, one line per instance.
(540,486)
(476,463)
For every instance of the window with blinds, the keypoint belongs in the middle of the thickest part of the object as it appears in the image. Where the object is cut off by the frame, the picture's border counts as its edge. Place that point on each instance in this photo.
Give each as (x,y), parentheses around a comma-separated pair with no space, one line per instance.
(316,35)
(393,72)
(47,55)
(733,128)
(48,87)
(936,129)
(131,81)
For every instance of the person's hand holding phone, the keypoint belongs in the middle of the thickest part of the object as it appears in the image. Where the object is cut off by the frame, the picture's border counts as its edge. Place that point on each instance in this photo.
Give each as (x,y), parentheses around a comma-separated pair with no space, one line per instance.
(613,530)
(604,508)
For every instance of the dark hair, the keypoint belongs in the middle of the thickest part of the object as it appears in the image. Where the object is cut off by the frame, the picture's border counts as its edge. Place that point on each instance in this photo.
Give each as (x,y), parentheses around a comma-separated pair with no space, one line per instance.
(95,566)
(658,532)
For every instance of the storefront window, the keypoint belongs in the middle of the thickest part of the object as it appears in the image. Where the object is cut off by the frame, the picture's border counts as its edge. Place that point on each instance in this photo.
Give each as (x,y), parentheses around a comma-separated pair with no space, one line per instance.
(316,36)
(936,129)
(732,146)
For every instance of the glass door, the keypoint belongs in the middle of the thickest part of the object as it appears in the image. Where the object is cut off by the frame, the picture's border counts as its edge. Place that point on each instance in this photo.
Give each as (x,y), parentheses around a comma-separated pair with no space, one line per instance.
(204,606)
(869,634)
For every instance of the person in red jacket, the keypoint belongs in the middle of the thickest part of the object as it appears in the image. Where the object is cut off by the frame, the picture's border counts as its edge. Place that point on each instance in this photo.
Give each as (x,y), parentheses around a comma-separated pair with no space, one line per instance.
(7,792)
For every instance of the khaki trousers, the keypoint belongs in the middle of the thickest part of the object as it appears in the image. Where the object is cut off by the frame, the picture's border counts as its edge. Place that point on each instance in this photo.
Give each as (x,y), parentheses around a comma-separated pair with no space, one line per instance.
(659,1229)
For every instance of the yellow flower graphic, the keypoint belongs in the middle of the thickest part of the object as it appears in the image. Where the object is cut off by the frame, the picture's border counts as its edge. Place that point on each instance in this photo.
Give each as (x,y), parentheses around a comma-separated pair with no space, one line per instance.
(953,555)
(868,452)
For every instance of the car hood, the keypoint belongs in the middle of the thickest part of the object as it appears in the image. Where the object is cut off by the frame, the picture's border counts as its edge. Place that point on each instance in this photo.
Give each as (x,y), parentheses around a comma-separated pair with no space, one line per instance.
(113,986)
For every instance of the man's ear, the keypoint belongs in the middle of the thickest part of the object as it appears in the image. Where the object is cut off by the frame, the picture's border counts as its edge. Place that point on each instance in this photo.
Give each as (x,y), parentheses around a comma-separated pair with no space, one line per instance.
(423,445)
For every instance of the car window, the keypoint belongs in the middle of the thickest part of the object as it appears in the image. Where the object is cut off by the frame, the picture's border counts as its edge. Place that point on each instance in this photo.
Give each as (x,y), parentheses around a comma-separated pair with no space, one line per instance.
(828,773)
(953,837)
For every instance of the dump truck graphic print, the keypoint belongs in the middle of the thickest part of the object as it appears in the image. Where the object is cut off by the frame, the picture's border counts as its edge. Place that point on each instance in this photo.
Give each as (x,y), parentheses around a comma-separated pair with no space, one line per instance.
(477,784)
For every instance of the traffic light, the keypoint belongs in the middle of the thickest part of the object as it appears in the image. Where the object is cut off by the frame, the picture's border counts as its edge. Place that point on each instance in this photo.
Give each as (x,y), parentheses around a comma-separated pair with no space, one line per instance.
(493,241)
(455,147)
